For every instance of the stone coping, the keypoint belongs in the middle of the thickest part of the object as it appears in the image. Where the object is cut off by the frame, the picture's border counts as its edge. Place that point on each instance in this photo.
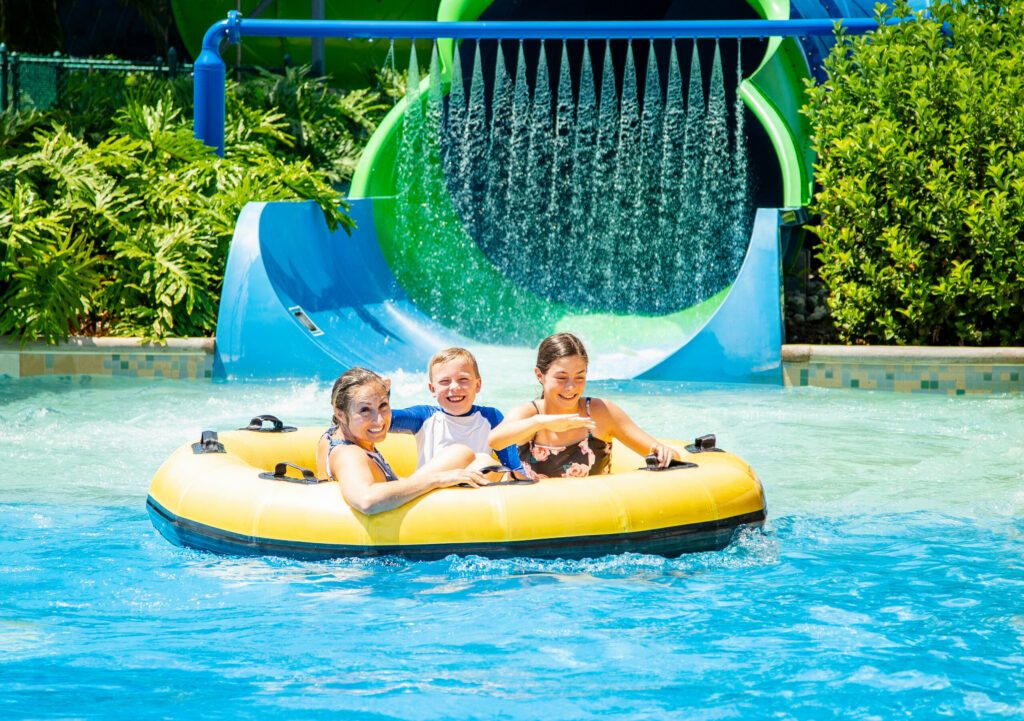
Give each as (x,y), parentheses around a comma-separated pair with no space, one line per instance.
(903,355)
(111,345)
(791,353)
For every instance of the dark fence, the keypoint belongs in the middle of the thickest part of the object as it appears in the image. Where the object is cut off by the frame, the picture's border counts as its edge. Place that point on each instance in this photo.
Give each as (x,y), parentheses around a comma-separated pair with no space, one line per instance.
(38,81)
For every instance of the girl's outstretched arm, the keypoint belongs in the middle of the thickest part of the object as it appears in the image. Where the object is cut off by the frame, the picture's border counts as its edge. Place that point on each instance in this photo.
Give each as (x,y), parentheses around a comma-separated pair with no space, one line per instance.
(621,426)
(351,466)
(522,424)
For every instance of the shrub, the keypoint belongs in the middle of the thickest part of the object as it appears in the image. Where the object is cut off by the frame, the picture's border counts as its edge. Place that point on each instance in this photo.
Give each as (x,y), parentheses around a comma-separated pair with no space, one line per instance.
(115,220)
(128,235)
(327,127)
(920,145)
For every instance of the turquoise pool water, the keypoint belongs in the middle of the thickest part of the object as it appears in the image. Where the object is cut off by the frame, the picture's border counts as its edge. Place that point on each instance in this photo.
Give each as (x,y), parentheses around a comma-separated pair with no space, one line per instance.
(887,584)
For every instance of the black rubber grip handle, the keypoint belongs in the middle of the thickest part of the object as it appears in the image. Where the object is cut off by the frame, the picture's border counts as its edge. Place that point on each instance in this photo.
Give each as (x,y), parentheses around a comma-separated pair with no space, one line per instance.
(281,474)
(208,443)
(276,425)
(652,464)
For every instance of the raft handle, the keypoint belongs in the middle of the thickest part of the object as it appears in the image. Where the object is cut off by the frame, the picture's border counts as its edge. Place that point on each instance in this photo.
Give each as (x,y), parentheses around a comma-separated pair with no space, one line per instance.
(704,444)
(256,424)
(208,443)
(652,464)
(281,474)
(512,481)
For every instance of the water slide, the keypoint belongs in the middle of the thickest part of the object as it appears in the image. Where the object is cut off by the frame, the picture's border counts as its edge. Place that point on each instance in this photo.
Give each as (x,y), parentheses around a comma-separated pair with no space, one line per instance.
(300,301)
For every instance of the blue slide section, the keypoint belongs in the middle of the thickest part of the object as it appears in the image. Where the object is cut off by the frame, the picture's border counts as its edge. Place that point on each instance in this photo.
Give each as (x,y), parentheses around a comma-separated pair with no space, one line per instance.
(742,341)
(300,301)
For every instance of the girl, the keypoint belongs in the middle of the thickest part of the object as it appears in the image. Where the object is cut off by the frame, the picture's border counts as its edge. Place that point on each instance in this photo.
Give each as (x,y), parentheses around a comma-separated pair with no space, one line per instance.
(567,433)
(347,451)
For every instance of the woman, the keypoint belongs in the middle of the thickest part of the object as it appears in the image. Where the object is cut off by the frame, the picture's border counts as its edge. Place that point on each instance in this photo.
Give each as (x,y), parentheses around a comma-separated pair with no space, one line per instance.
(567,433)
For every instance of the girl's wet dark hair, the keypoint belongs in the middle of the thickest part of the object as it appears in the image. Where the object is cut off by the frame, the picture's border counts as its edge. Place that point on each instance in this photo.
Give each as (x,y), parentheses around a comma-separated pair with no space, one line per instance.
(559,345)
(347,384)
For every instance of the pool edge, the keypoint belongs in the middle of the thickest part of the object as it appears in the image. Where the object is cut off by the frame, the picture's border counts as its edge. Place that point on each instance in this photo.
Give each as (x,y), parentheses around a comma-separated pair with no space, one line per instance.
(954,371)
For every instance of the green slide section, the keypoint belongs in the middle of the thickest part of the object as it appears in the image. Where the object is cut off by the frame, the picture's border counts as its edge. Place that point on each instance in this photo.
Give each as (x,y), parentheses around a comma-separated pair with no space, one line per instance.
(775,93)
(350,62)
(500,310)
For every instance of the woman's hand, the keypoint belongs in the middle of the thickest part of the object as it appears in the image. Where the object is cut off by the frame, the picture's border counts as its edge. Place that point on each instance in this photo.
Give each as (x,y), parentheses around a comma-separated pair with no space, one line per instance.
(567,422)
(460,476)
(664,453)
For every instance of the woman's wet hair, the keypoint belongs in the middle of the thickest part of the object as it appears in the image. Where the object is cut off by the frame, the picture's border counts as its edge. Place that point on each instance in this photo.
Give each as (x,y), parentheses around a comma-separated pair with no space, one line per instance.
(346,386)
(559,345)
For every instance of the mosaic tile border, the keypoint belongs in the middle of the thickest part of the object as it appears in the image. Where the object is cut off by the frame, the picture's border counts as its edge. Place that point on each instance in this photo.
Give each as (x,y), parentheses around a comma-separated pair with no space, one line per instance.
(179,359)
(950,371)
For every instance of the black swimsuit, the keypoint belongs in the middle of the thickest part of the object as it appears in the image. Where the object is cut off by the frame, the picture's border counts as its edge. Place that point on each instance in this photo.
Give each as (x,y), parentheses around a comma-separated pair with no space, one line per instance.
(374,455)
(589,457)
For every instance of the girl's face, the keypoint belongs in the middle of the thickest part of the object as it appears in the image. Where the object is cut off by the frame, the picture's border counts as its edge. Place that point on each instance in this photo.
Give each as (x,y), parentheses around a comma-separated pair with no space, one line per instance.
(564,381)
(368,415)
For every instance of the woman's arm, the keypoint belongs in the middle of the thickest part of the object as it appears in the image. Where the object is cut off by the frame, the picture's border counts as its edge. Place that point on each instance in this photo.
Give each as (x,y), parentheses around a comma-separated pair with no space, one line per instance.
(522,424)
(615,421)
(352,467)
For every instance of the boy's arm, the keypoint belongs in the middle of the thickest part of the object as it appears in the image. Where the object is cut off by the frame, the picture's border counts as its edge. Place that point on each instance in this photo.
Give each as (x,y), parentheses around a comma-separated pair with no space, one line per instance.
(410,420)
(509,456)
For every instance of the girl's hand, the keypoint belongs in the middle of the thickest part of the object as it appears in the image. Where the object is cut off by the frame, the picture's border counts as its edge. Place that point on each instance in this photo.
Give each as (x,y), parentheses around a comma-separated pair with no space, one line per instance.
(461,476)
(664,453)
(567,422)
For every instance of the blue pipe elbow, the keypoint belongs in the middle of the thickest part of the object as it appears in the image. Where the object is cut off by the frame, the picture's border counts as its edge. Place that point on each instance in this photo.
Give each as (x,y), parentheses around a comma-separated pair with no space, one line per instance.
(208,92)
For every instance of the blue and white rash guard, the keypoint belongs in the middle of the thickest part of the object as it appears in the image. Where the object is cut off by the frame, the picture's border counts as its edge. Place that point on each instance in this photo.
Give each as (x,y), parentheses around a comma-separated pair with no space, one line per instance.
(435,429)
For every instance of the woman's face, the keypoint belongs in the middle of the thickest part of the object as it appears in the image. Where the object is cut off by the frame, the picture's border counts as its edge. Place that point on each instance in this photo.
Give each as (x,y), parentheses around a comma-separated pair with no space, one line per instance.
(368,415)
(564,380)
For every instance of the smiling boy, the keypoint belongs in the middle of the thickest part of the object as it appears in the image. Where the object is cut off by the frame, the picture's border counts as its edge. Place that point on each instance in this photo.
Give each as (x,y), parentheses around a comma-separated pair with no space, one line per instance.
(454,381)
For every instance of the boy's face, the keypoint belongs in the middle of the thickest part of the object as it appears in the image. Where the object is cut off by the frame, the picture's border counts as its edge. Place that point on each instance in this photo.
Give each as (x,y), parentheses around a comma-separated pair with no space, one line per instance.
(454,384)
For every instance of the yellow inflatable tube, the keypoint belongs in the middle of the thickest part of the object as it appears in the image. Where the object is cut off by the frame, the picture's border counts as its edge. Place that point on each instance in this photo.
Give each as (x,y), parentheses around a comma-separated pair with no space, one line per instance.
(222,496)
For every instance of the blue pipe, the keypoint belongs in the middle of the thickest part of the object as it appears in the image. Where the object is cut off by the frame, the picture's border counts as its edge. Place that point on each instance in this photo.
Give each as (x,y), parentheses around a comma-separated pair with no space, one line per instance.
(210,72)
(574,29)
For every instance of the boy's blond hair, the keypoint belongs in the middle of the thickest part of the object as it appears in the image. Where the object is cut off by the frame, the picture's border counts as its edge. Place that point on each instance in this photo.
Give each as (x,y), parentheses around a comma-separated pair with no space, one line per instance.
(450,354)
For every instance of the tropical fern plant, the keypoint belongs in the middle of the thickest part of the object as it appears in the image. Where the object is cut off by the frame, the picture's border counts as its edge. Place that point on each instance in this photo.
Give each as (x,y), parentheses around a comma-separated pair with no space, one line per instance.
(324,125)
(126,232)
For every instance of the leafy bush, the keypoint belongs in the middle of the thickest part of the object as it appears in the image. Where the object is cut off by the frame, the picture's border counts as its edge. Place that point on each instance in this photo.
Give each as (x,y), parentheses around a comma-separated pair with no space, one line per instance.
(329,128)
(89,103)
(920,145)
(129,235)
(115,220)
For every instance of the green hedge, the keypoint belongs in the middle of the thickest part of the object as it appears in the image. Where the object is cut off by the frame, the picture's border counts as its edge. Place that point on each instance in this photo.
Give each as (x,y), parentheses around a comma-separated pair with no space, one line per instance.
(920,142)
(115,220)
